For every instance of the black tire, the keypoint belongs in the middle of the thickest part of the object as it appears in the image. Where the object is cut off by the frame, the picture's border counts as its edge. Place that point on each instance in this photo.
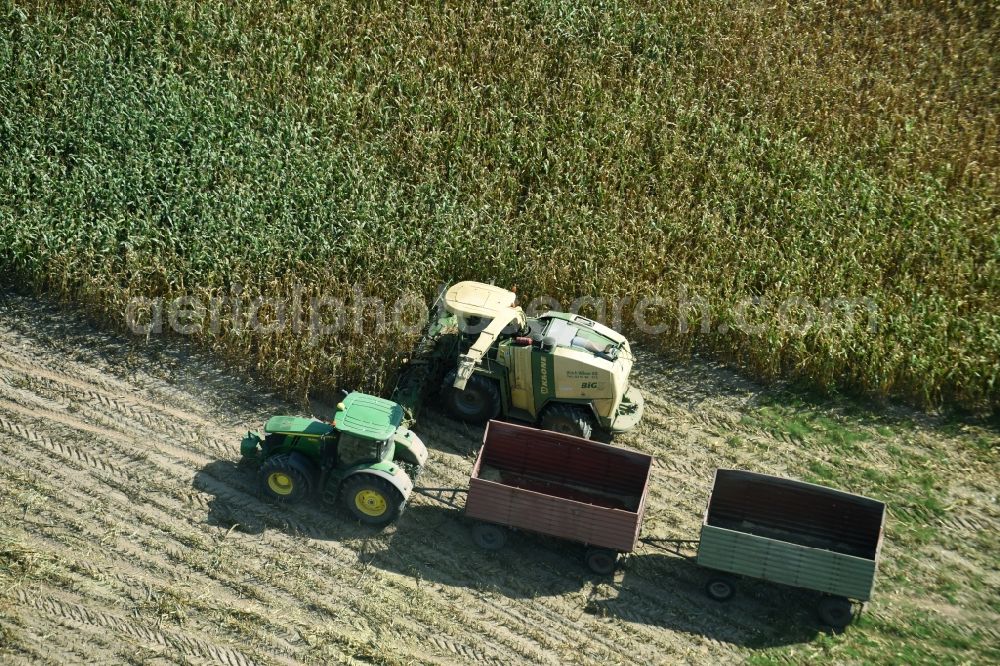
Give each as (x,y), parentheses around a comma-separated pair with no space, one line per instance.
(282,482)
(836,612)
(371,499)
(489,536)
(601,561)
(568,420)
(477,403)
(720,588)
(602,436)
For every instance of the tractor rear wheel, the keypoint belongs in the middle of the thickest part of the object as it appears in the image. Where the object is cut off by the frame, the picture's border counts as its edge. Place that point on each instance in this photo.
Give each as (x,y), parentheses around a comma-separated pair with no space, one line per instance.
(568,420)
(281,481)
(477,403)
(371,499)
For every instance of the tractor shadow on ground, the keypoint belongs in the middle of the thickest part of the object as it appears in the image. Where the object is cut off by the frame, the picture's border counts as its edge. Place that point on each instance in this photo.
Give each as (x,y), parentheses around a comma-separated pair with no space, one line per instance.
(429,542)
(235,505)
(669,591)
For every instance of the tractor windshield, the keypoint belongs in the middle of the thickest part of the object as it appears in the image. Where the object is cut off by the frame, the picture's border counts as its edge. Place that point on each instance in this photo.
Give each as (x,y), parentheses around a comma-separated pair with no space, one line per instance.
(354,450)
(384,447)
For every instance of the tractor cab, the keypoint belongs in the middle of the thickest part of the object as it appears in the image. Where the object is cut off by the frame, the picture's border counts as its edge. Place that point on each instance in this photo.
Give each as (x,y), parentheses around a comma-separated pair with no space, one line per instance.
(366,425)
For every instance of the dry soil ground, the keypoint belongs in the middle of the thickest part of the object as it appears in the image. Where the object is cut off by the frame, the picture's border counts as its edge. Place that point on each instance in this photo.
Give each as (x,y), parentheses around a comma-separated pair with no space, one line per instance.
(129,534)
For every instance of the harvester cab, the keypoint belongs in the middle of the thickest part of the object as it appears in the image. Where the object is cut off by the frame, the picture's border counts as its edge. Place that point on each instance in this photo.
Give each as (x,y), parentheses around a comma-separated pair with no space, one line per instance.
(365,458)
(561,371)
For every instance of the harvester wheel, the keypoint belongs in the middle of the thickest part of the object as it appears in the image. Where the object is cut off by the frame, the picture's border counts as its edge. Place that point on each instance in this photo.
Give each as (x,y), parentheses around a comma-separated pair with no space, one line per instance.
(568,420)
(489,536)
(836,612)
(601,561)
(281,481)
(372,499)
(720,588)
(477,403)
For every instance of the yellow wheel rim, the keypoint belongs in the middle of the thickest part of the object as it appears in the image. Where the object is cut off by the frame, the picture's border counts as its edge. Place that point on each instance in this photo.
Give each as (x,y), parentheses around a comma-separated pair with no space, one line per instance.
(370,502)
(280,483)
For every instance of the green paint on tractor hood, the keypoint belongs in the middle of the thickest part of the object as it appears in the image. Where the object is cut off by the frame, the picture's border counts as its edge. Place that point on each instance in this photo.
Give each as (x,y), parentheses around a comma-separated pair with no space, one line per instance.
(368,416)
(296,425)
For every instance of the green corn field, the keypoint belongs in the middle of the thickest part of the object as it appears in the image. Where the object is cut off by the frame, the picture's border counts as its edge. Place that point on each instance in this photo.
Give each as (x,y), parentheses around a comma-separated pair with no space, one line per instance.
(726,158)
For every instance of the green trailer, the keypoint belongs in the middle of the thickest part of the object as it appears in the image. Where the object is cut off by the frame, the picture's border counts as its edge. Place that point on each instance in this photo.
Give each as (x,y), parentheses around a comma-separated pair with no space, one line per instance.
(794,533)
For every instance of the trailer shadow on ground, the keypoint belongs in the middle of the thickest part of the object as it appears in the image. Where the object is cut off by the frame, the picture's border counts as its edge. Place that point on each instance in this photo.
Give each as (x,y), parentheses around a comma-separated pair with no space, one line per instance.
(668,591)
(650,588)
(434,543)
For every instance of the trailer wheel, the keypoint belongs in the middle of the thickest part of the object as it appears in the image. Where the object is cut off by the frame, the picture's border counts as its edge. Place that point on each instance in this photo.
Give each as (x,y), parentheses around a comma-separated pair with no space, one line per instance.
(601,561)
(836,612)
(489,536)
(477,403)
(280,480)
(568,420)
(720,588)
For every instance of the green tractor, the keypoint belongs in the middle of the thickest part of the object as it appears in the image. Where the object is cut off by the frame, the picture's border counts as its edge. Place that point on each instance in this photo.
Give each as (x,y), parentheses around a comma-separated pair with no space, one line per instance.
(364,458)
(559,371)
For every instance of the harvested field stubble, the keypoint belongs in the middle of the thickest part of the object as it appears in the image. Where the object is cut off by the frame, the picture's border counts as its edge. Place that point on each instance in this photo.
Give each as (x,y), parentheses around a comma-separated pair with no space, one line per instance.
(129,533)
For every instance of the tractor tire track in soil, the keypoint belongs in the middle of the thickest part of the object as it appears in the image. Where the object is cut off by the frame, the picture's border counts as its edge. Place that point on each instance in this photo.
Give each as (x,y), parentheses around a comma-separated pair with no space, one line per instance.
(186,645)
(132,531)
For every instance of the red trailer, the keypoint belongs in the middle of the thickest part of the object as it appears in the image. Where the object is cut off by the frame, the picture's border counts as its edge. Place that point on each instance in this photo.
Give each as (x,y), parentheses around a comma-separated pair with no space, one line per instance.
(558,485)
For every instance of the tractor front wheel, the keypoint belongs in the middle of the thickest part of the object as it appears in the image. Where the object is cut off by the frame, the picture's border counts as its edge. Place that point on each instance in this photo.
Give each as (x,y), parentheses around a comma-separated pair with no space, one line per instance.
(281,481)
(477,403)
(568,420)
(371,499)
